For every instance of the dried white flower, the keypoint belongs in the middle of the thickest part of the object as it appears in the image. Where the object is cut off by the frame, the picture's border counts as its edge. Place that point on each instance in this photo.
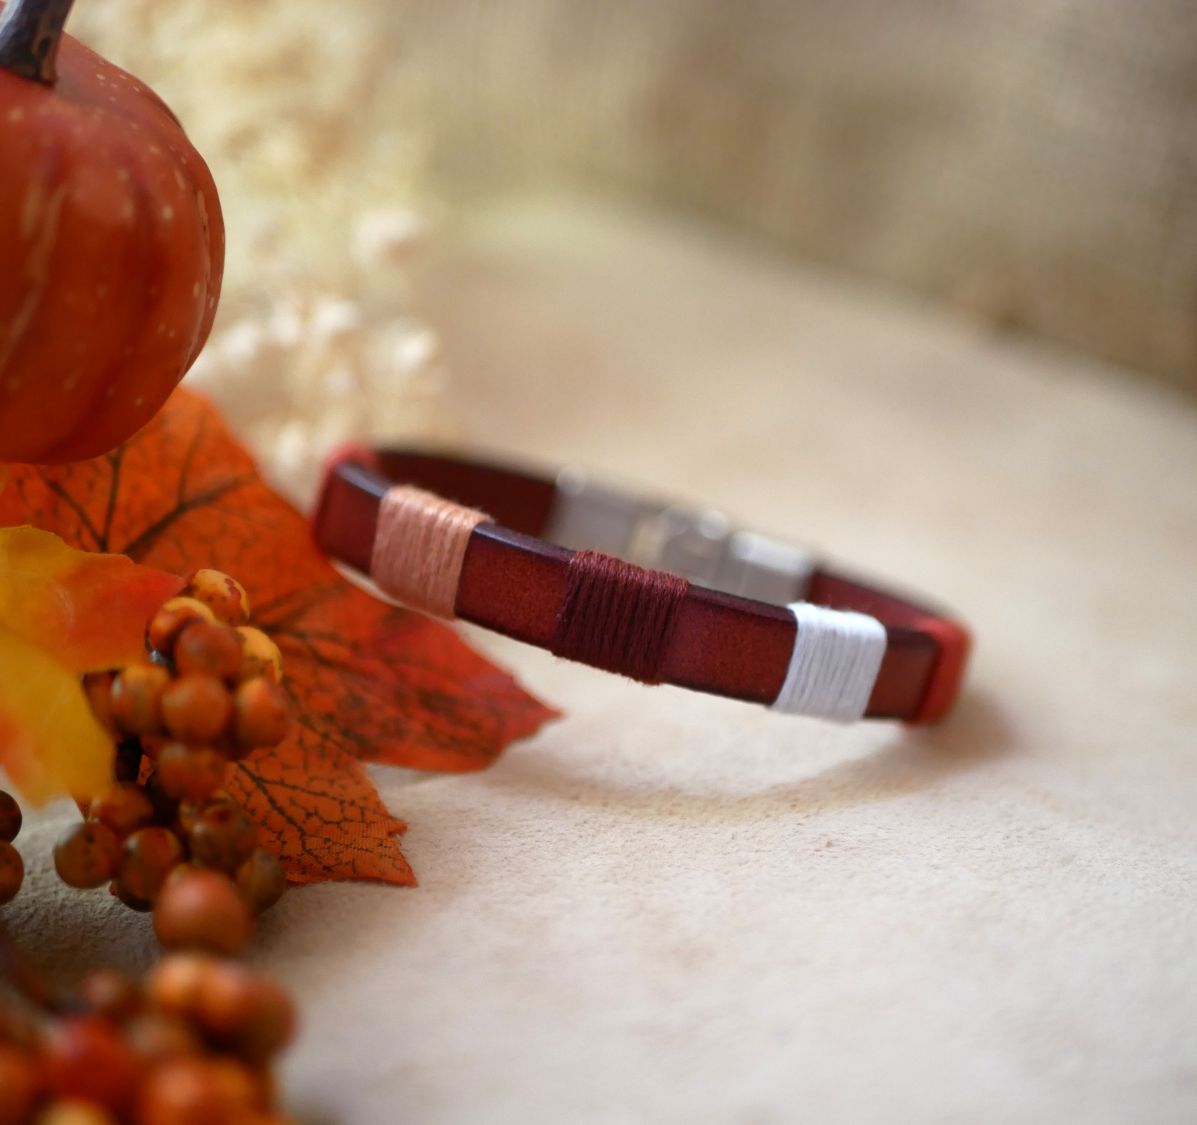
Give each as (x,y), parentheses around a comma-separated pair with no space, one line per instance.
(314,345)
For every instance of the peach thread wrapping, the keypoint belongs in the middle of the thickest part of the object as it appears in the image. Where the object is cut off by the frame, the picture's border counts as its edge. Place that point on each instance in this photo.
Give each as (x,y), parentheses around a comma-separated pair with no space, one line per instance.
(419,548)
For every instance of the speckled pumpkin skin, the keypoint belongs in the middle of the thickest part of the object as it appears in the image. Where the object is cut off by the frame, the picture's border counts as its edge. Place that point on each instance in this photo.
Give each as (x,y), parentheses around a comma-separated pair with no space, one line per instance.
(111,257)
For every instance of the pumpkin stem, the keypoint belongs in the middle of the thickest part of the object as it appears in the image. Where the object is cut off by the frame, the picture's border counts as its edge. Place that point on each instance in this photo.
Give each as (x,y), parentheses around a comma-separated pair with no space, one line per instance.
(30,31)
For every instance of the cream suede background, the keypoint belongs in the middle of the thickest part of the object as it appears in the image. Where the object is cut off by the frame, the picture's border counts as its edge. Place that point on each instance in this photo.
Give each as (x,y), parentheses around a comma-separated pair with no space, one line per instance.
(670,908)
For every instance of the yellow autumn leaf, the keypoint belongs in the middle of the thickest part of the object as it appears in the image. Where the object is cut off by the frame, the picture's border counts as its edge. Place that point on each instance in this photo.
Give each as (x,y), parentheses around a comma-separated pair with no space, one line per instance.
(87,610)
(50,742)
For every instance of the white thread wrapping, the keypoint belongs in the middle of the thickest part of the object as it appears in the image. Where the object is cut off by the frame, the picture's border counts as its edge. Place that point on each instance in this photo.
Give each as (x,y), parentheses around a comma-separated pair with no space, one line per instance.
(837,655)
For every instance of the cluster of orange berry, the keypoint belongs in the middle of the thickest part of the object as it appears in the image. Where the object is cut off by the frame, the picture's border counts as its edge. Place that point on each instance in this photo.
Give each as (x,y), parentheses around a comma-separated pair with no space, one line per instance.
(191,1045)
(164,836)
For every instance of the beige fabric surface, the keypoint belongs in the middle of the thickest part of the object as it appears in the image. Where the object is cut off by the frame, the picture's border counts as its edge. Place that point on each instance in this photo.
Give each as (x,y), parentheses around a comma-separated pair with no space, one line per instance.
(671,908)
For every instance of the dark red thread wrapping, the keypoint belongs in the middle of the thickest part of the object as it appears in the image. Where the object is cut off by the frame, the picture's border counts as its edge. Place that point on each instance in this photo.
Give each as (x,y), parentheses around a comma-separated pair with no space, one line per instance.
(618,617)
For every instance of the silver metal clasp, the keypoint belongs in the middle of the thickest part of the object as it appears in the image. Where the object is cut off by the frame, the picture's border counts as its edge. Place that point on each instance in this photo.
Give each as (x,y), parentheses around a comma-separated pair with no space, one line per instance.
(700,545)
(683,541)
(592,517)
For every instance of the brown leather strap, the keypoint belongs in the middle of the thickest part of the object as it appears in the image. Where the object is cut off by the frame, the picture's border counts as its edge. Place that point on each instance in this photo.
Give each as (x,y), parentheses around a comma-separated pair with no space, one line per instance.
(514,582)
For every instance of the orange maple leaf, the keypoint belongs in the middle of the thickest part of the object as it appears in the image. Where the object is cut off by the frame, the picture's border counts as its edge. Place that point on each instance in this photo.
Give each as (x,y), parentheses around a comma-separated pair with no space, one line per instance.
(369,681)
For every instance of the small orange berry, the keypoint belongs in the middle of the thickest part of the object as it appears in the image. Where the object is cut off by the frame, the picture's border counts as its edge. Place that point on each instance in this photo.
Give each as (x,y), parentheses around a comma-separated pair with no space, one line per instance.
(18,1029)
(137,698)
(174,616)
(223,595)
(19,1083)
(110,994)
(261,714)
(175,982)
(262,880)
(196,707)
(85,1057)
(211,648)
(245,1013)
(198,1091)
(155,1036)
(10,817)
(87,855)
(123,807)
(74,1112)
(148,857)
(190,773)
(222,836)
(183,870)
(260,656)
(202,909)
(12,872)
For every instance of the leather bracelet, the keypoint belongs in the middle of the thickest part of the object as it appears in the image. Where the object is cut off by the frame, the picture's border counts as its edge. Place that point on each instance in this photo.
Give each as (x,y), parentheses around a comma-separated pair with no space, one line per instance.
(700,605)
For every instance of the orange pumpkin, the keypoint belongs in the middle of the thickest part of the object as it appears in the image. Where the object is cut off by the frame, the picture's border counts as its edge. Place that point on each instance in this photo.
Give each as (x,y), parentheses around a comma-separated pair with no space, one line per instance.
(111,245)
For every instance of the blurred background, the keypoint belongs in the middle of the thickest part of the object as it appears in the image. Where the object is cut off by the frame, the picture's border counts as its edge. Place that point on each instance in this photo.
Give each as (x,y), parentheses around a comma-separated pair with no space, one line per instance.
(1030,165)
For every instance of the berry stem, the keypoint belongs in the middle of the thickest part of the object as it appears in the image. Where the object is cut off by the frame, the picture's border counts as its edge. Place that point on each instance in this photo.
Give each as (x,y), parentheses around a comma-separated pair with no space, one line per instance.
(30,31)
